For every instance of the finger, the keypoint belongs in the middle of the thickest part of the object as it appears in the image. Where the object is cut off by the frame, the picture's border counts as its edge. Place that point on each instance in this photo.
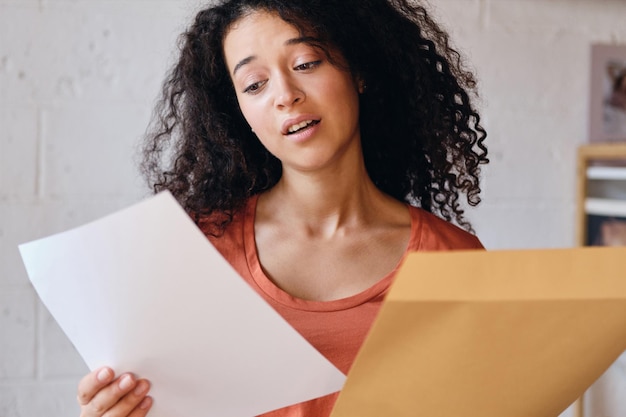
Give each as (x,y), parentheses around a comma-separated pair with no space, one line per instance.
(92,383)
(117,400)
(137,401)
(110,398)
(143,407)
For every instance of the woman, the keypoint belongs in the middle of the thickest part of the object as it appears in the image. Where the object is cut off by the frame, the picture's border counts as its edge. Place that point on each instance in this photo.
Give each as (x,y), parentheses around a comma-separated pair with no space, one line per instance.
(301,130)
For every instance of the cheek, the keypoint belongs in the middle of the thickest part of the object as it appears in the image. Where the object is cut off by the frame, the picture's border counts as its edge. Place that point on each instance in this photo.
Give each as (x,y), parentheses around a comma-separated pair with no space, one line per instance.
(347,97)
(259,122)
(252,114)
(344,89)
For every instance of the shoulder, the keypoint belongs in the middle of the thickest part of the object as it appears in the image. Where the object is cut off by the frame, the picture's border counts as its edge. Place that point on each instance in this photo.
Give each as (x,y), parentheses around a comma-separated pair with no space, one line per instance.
(434,233)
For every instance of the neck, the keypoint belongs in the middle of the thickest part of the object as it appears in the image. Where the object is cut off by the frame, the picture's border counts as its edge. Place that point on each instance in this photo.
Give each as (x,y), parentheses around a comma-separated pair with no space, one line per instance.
(327,203)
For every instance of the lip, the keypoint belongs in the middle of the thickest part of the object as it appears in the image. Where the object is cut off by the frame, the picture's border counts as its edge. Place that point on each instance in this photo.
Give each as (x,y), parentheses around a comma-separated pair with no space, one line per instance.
(303,135)
(295,120)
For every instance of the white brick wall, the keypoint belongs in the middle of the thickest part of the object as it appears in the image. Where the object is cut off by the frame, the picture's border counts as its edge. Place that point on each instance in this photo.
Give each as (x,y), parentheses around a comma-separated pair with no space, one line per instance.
(77,80)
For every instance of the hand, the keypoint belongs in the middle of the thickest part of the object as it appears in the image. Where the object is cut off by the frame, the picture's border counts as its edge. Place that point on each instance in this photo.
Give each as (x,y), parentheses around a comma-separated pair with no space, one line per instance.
(102,394)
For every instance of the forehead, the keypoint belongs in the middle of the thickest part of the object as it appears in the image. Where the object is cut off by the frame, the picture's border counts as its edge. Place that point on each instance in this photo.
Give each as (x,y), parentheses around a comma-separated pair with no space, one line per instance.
(257,29)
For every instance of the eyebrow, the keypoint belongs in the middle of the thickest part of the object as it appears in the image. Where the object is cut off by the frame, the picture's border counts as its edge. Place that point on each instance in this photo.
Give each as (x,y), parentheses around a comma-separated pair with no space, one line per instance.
(243,62)
(288,42)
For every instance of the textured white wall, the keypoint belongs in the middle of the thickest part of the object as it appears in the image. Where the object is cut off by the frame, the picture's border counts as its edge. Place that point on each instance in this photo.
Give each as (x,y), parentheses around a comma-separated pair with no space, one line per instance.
(532,58)
(77,82)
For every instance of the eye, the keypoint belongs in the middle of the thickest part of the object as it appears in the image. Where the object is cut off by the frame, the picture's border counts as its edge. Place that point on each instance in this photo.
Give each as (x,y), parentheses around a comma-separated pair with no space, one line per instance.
(308,65)
(254,87)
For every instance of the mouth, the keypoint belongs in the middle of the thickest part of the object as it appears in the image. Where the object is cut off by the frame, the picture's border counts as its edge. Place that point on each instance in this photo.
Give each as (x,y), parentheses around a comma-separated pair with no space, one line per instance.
(295,128)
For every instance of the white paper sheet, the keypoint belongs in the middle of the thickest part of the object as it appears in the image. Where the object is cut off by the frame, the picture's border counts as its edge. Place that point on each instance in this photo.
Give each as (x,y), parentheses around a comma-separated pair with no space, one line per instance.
(143,290)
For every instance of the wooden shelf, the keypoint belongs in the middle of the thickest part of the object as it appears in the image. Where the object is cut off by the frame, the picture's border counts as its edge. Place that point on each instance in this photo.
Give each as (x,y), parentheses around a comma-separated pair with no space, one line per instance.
(601,181)
(601,192)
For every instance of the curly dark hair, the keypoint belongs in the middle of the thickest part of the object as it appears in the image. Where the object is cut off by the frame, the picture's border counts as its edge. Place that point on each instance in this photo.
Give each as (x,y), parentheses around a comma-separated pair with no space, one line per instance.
(421,136)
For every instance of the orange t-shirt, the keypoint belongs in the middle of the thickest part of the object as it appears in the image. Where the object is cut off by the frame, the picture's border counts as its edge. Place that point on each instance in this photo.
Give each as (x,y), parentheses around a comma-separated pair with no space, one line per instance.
(335,328)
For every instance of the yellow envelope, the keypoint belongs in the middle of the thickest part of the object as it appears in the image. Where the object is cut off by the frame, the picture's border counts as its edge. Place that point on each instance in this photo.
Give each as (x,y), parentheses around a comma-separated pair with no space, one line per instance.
(491,334)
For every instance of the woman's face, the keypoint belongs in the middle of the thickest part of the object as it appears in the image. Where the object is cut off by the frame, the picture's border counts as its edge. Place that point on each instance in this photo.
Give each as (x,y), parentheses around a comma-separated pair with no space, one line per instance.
(303,108)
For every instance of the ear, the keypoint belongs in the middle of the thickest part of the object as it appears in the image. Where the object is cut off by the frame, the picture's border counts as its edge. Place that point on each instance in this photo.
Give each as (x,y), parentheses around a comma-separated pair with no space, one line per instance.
(360,84)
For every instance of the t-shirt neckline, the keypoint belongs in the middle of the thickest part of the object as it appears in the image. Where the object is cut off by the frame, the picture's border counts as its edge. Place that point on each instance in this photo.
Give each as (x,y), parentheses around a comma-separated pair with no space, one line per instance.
(282,297)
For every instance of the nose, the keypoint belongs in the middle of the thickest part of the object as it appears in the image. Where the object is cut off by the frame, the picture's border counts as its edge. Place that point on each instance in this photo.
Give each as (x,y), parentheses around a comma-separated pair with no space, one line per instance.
(287,92)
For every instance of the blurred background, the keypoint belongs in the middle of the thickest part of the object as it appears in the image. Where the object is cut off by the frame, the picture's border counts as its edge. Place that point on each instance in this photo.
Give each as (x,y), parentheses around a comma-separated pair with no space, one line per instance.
(78,79)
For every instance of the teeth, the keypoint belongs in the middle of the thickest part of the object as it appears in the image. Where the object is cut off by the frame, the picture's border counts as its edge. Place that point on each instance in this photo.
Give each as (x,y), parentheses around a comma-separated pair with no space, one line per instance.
(299,126)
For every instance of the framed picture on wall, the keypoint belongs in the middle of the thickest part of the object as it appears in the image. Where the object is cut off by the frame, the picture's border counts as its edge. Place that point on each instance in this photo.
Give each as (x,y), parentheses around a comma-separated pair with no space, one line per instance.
(607,115)
(605,230)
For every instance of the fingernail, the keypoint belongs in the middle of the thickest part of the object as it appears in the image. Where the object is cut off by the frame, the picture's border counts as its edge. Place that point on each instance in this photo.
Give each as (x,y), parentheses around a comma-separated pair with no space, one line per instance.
(142,388)
(104,375)
(145,403)
(126,382)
